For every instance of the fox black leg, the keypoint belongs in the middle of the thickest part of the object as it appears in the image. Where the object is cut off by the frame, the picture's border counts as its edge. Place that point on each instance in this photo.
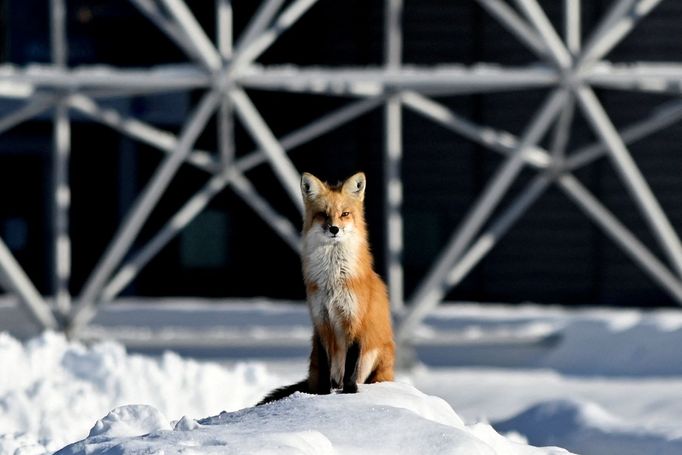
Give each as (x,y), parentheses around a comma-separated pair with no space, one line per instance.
(323,368)
(350,375)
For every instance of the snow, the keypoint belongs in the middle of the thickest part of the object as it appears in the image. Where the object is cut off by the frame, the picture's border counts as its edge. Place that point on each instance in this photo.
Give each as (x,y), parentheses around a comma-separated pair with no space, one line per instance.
(383,418)
(600,381)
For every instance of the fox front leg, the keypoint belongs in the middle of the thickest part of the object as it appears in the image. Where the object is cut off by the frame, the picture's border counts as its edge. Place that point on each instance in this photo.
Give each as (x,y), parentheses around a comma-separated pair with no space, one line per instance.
(350,375)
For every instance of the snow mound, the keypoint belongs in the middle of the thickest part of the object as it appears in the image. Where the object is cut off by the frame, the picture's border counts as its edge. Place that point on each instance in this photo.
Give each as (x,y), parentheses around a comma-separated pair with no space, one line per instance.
(385,418)
(587,428)
(55,389)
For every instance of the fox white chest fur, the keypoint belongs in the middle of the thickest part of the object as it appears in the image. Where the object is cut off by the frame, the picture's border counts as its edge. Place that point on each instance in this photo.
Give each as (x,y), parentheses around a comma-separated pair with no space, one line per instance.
(327,265)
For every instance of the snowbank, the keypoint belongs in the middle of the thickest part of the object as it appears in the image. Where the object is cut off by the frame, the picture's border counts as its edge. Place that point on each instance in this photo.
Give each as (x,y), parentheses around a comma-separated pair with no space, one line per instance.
(52,390)
(587,428)
(383,418)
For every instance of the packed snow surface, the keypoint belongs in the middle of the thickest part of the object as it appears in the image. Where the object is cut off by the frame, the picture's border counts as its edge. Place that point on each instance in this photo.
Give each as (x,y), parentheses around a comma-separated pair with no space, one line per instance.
(386,418)
(591,381)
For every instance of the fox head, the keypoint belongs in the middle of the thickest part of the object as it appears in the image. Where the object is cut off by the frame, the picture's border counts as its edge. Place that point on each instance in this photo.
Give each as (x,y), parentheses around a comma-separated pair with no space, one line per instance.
(334,213)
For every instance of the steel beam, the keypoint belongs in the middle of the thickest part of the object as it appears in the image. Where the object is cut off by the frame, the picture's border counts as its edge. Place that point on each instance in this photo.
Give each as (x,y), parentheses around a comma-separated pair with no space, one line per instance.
(621,235)
(631,176)
(508,18)
(434,286)
(393,151)
(14,277)
(281,164)
(145,203)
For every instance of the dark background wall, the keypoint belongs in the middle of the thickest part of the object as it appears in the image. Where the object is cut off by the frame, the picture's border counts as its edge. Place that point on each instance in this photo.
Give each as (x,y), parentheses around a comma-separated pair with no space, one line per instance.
(553,255)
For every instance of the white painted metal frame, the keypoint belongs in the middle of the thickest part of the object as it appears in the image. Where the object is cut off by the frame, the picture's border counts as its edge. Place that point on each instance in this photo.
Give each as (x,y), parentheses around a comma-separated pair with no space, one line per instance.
(225,69)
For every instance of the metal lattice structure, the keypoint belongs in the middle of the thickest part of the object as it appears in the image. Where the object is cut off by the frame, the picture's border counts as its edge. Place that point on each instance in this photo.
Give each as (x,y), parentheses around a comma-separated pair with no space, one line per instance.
(223,69)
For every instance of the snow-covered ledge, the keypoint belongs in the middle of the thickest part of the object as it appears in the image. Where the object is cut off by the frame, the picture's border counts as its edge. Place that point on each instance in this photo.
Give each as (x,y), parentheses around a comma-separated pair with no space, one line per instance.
(385,418)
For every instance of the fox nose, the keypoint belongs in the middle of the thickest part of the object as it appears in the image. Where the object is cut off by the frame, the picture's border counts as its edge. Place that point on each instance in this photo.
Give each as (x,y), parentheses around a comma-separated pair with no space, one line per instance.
(334,230)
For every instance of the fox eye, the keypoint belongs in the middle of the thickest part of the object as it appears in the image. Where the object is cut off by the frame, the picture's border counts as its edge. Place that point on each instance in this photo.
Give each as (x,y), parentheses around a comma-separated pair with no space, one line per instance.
(321,215)
(345,214)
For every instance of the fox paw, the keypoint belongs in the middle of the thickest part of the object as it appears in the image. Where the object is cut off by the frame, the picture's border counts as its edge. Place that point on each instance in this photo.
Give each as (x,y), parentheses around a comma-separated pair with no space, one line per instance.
(350,388)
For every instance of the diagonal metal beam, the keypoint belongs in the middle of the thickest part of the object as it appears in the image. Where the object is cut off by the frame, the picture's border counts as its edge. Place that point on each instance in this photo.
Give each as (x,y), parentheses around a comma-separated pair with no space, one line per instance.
(557,51)
(497,140)
(280,224)
(562,132)
(621,235)
(259,23)
(151,10)
(207,52)
(572,25)
(136,129)
(631,176)
(487,241)
(33,107)
(14,277)
(434,286)
(284,21)
(141,210)
(224,27)
(259,130)
(662,117)
(227,177)
(508,18)
(622,18)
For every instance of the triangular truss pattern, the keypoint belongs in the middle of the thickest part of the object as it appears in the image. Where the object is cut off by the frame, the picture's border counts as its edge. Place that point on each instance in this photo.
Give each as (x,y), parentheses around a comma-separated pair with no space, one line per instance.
(224,69)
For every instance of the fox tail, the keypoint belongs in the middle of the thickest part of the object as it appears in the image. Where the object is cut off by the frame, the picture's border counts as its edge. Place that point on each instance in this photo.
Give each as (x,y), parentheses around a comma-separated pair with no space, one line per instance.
(285,391)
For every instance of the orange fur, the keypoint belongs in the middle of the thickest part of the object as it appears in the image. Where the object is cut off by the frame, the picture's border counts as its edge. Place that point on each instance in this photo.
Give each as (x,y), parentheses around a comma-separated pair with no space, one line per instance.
(348,301)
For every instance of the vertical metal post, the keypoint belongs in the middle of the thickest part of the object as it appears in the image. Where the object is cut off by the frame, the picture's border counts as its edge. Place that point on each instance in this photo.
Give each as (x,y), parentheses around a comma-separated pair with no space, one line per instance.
(393,150)
(61,149)
(225,111)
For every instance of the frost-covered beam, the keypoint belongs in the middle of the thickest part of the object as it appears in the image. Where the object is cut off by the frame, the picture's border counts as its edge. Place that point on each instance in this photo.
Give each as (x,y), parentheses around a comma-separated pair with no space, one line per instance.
(641,77)
(14,277)
(141,210)
(433,288)
(159,78)
(631,176)
(376,81)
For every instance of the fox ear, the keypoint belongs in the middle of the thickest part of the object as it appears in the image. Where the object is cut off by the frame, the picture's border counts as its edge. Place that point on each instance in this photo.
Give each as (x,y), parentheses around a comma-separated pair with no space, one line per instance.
(355,186)
(311,186)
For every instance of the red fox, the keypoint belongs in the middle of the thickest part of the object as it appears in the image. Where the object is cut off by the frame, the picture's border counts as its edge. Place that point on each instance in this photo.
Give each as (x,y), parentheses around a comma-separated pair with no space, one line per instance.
(348,303)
